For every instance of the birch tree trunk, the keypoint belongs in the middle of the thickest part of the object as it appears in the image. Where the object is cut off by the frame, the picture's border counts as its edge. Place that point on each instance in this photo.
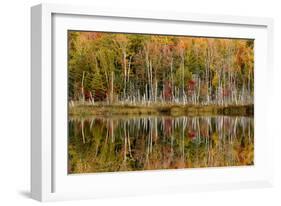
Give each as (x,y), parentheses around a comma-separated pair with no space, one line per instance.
(182,66)
(111,90)
(82,88)
(125,71)
(172,80)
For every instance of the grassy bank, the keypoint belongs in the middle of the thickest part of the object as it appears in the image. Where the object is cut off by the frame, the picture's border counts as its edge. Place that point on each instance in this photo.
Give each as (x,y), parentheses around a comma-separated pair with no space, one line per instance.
(173,110)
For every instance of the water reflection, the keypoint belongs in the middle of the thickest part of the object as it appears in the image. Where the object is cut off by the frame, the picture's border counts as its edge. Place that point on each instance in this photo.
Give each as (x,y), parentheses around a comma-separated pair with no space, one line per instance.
(107,144)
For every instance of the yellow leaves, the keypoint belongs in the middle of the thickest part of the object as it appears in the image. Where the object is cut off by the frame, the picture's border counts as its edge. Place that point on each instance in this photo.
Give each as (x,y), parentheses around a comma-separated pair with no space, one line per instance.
(215,80)
(164,40)
(215,138)
(121,38)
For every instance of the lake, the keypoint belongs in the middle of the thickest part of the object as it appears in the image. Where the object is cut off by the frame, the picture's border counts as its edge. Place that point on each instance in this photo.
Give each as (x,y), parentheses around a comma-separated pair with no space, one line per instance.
(133,143)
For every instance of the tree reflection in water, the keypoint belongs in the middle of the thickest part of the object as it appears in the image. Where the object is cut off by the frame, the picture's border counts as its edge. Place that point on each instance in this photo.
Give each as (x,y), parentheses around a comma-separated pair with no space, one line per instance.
(116,143)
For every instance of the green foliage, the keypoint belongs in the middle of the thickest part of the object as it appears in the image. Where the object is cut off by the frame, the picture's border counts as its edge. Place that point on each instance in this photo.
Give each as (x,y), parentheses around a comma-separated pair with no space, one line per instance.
(140,63)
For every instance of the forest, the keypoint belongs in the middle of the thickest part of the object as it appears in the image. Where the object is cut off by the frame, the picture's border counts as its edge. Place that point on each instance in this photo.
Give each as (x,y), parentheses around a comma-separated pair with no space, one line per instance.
(139,69)
(146,102)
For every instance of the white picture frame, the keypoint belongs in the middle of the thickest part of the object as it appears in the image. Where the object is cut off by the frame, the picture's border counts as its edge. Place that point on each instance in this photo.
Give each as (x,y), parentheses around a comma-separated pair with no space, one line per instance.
(49,179)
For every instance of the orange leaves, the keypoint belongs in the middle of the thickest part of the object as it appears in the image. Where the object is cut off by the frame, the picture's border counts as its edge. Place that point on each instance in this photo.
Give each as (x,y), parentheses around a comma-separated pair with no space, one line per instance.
(244,56)
(246,155)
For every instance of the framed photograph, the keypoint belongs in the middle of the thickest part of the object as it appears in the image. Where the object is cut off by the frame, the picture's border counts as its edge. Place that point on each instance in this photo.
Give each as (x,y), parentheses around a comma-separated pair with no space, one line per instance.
(137,102)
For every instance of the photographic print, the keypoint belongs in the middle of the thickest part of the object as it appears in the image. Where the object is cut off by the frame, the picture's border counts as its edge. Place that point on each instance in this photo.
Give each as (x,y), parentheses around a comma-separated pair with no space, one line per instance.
(151,102)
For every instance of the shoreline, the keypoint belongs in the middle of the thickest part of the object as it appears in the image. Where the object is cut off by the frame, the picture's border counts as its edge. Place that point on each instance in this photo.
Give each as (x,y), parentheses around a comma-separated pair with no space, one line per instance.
(156,109)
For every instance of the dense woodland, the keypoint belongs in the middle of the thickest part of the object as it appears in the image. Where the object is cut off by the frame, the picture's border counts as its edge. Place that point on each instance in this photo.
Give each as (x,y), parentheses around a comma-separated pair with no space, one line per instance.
(115,68)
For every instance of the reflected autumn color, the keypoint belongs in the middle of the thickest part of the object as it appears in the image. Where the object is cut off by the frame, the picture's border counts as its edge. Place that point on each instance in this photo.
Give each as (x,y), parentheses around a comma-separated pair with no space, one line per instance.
(131,143)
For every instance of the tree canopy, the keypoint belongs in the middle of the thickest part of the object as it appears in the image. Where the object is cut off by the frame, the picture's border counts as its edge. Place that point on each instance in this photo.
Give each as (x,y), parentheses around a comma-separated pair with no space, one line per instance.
(117,67)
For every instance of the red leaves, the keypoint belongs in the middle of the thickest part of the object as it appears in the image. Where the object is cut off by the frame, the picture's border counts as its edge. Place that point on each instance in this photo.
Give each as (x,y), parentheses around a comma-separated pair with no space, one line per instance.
(226,92)
(191,86)
(168,126)
(167,90)
(87,95)
(191,134)
(98,95)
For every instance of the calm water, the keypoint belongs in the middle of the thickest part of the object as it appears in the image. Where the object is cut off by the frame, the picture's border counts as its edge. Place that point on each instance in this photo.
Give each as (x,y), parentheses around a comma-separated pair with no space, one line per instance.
(107,144)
